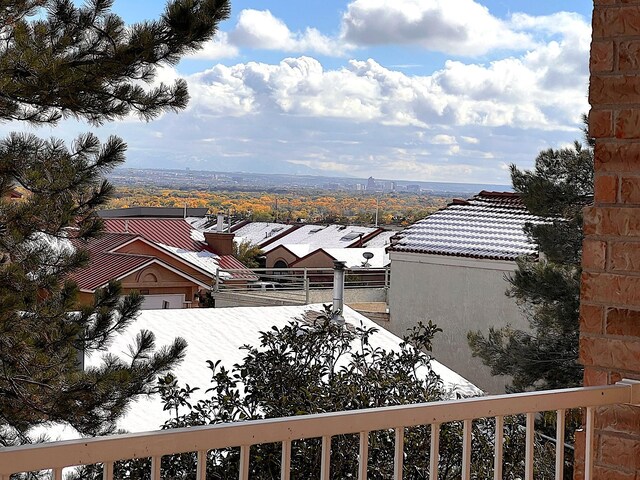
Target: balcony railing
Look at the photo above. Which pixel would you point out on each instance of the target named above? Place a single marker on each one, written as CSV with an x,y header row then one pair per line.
x,y
106,450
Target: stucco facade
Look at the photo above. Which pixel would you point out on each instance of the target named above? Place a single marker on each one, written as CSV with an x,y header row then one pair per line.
x,y
459,295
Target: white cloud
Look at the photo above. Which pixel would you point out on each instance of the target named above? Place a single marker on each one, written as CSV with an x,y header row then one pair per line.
x,y
443,140
471,140
216,49
260,29
460,27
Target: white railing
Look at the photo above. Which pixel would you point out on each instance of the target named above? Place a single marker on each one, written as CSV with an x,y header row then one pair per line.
x,y
106,450
299,279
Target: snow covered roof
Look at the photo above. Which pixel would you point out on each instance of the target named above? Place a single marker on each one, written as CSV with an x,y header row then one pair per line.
x,y
207,261
383,239
218,333
323,236
488,226
259,233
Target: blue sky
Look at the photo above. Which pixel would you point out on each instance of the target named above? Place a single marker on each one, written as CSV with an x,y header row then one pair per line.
x,y
432,90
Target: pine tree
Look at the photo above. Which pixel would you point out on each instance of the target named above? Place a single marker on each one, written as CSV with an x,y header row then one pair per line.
x,y
58,60
547,290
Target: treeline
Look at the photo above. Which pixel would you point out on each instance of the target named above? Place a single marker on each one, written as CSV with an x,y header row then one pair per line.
x,y
307,206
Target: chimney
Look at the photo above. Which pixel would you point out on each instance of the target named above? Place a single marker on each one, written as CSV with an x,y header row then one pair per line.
x,y
220,223
221,243
338,291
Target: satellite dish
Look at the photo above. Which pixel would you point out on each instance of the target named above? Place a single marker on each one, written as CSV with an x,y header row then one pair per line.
x,y
367,256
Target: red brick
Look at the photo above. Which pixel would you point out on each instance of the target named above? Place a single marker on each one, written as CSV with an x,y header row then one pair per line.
x,y
629,55
618,418
602,56
616,290
612,221
620,89
614,377
601,123
591,318
622,452
630,190
595,377
607,473
608,22
622,321
606,188
594,254
609,353
625,257
613,157
628,124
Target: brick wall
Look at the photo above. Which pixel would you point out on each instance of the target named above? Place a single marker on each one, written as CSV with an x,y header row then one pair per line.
x,y
610,295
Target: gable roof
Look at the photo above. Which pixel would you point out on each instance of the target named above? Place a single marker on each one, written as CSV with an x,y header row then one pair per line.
x,y
261,233
106,264
487,226
175,232
219,333
324,236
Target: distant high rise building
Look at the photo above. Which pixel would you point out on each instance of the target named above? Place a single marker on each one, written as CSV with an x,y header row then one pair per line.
x,y
371,184
393,186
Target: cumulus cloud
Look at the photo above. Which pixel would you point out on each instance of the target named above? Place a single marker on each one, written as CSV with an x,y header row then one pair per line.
x,y
216,49
460,27
260,29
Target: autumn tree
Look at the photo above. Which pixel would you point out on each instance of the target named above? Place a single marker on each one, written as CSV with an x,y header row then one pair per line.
x,y
59,60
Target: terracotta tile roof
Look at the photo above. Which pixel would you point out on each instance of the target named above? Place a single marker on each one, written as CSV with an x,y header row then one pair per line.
x,y
175,232
489,226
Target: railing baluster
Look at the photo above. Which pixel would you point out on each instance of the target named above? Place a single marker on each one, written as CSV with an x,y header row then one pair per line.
x,y
244,462
466,450
560,415
434,453
363,456
528,457
107,471
325,463
497,457
588,446
399,454
155,468
201,468
285,469
56,474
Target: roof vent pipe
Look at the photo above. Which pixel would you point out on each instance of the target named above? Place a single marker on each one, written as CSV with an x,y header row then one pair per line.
x,y
338,292
220,223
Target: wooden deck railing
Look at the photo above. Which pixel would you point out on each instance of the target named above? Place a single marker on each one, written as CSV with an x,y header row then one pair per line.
x,y
55,456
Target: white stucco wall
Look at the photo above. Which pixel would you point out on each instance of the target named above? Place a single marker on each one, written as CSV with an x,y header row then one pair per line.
x,y
459,295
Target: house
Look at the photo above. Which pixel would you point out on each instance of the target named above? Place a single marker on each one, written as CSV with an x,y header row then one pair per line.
x,y
450,268
366,265
165,259
218,334
168,277
280,252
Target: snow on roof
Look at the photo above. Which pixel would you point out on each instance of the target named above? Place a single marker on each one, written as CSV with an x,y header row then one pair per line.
x,y
298,249
354,259
489,226
383,239
218,333
207,261
322,236
258,233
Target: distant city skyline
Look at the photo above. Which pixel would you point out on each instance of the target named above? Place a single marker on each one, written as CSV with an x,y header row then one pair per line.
x,y
425,90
